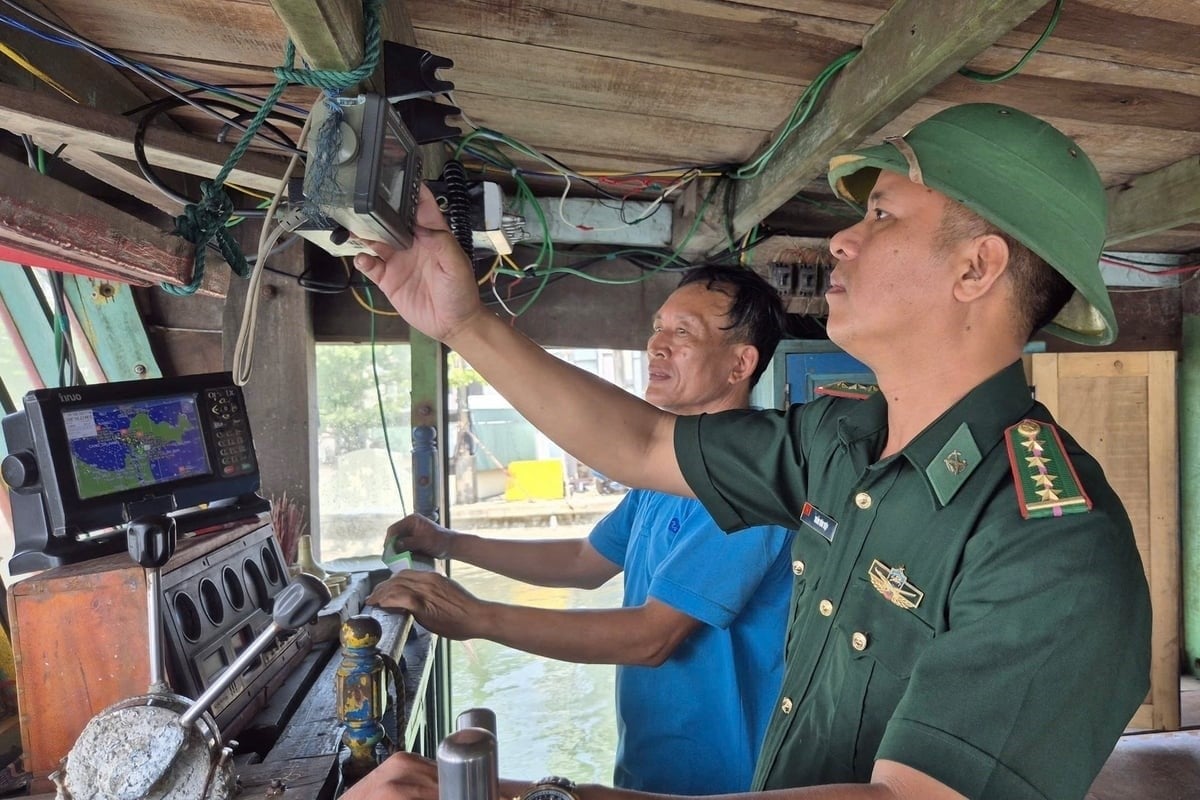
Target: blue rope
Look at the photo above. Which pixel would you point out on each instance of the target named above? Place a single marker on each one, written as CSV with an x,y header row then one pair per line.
x,y
205,221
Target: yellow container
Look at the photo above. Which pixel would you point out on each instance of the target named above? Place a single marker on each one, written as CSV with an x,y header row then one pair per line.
x,y
535,480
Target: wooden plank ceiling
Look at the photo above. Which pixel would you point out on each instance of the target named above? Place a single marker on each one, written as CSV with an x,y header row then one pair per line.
x,y
626,86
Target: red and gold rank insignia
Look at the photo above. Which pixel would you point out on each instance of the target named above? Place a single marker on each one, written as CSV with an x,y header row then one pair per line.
x,y
1045,478
892,583
852,390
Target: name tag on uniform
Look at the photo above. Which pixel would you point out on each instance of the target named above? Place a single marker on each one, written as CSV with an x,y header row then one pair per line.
x,y
819,521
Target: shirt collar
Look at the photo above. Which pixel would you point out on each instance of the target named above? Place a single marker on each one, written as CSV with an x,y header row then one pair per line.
x,y
954,445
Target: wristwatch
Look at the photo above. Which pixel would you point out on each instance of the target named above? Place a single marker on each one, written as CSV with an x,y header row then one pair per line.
x,y
551,788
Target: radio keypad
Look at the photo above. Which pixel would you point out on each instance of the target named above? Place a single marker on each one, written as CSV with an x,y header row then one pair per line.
x,y
231,428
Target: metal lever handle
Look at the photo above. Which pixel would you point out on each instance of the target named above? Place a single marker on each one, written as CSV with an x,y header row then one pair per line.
x,y
296,605
150,542
477,718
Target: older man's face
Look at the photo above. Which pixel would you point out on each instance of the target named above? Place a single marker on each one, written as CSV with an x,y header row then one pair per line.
x,y
694,367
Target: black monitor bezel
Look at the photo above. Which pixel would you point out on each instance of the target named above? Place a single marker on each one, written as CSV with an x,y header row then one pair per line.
x,y
66,512
379,122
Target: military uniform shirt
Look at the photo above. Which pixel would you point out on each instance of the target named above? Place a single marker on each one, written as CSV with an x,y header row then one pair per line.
x,y
930,623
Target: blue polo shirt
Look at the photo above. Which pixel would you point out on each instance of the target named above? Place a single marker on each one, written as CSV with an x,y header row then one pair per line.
x,y
694,724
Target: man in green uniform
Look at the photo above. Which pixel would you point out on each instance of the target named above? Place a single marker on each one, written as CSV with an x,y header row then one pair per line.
x,y
970,616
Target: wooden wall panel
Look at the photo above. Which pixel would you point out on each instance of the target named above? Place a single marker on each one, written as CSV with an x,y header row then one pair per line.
x,y
1121,407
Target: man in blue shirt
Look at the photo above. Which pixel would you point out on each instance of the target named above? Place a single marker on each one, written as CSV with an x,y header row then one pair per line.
x,y
699,638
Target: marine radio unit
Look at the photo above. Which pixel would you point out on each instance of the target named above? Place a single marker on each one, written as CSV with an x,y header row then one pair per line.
x,y
362,177
84,461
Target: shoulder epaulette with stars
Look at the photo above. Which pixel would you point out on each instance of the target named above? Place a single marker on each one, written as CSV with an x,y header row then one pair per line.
x,y
849,389
1046,483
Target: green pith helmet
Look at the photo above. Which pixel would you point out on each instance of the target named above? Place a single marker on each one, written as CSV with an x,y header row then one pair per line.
x,y
1020,174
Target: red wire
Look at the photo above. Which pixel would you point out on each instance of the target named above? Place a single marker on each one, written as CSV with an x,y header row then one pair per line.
x,y
1178,270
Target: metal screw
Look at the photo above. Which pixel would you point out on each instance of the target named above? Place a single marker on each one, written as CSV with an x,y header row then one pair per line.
x,y
275,788
139,369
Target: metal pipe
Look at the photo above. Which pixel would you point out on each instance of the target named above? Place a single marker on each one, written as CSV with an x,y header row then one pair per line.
x,y
154,606
467,768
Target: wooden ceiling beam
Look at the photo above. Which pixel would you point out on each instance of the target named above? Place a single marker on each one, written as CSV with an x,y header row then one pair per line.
x,y
87,79
51,221
120,175
329,33
911,49
51,120
1157,201
90,82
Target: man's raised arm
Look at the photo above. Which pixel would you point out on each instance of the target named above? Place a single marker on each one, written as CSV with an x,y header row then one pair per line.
x,y
433,287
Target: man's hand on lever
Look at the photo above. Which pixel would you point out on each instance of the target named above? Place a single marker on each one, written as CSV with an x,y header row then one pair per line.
x,y
421,536
436,602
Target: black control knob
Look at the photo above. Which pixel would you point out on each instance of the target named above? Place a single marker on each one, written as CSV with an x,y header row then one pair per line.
x,y
20,470
150,541
339,235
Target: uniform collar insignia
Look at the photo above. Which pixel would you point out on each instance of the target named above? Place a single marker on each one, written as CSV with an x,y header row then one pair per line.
x,y
893,584
949,469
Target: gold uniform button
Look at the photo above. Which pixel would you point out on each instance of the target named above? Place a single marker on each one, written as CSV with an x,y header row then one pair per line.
x,y
797,568
826,608
862,500
786,705
859,641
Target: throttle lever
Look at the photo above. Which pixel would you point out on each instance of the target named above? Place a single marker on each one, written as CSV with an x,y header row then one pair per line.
x,y
296,605
150,542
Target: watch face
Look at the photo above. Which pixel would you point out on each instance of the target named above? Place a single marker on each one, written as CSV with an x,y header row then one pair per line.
x,y
545,792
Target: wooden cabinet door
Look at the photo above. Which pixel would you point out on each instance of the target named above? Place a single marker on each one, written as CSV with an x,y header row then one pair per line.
x,y
1121,407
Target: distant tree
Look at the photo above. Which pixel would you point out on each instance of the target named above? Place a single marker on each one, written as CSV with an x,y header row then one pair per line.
x,y
348,402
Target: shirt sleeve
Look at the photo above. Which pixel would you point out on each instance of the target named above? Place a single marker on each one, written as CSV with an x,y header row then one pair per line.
x,y
746,466
710,575
610,536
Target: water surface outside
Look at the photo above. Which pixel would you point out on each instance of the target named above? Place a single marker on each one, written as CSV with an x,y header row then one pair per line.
x,y
552,717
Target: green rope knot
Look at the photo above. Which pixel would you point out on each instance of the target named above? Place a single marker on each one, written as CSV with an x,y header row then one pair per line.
x,y
201,223
204,221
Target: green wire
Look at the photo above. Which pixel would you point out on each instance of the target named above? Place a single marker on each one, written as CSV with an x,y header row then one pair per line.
x,y
379,400
983,77
800,113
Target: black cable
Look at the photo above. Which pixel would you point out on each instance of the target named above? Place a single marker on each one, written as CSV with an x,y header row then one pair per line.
x,y
68,368
458,206
139,154
6,401
246,114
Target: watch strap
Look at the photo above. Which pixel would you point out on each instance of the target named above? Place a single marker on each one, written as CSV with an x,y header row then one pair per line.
x,y
559,781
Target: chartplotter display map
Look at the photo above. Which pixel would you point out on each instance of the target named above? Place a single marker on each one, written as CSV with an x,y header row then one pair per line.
x,y
127,445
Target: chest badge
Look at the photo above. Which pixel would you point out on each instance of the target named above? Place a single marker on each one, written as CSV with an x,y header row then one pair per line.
x,y
819,521
892,583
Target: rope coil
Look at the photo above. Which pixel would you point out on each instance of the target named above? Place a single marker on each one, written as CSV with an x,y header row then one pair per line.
x,y
203,222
